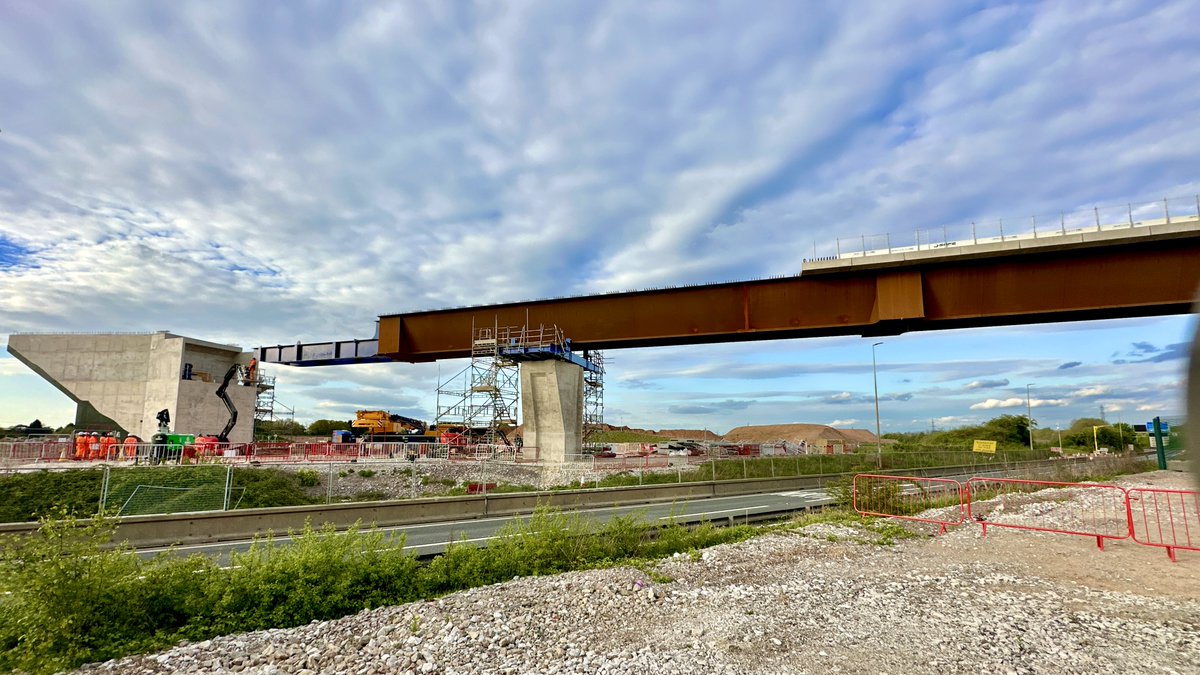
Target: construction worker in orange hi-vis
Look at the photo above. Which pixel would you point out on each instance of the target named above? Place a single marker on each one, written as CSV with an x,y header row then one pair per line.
x,y
81,445
130,445
93,446
108,447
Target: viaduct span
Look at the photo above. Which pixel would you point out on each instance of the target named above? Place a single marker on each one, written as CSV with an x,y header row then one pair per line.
x,y
1152,269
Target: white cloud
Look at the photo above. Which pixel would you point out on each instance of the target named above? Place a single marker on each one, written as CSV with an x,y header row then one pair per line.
x,y
995,403
1147,407
1095,390
198,170
843,423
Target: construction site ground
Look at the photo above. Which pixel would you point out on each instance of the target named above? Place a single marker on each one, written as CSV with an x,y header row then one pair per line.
x,y
827,597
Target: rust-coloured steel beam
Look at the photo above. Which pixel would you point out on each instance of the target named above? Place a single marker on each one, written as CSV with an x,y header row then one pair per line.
x,y
1120,279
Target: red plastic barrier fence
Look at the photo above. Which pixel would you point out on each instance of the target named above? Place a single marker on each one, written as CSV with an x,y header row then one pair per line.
x,y
1167,519
904,497
1100,511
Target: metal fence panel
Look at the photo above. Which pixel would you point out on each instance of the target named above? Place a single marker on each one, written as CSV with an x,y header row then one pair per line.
x,y
906,497
1167,519
1100,512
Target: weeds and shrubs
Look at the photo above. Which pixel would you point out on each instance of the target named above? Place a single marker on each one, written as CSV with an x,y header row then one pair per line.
x,y
26,496
366,473
67,597
308,478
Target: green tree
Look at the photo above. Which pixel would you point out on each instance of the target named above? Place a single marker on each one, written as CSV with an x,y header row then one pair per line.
x,y
269,428
326,427
1007,429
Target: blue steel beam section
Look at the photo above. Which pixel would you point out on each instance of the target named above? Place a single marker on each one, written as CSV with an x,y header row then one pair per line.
x,y
340,353
547,353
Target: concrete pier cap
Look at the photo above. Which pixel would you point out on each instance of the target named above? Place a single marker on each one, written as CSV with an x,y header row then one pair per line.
x,y
119,381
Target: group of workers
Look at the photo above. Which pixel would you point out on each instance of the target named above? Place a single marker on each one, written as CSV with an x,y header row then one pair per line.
x,y
94,446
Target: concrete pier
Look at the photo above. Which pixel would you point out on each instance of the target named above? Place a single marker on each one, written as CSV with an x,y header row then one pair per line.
x,y
552,408
121,381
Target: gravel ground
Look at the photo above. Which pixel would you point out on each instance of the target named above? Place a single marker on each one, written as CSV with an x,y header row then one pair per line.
x,y
815,600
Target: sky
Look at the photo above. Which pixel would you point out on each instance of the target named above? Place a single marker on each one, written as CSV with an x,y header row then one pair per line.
x,y
266,172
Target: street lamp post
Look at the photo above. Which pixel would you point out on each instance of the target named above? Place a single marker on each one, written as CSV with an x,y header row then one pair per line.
x,y
1029,416
875,380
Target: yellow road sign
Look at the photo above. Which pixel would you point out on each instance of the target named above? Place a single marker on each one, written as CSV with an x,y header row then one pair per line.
x,y
985,446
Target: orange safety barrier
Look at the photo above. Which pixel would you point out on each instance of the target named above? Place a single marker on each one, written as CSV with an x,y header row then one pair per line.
x,y
1101,513
1167,519
904,497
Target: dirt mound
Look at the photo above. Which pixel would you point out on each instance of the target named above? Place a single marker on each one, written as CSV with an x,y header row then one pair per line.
x,y
688,434
812,434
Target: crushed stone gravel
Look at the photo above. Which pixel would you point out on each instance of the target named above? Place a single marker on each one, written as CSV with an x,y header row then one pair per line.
x,y
809,600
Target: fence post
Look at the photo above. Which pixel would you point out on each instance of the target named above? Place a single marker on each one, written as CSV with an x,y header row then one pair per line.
x,y
772,466
744,468
1097,210
1167,210
483,471
1001,230
329,486
228,485
1130,214
1062,222
713,458
1034,219
103,489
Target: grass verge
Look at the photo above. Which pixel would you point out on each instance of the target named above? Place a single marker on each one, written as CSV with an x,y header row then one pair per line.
x,y
69,598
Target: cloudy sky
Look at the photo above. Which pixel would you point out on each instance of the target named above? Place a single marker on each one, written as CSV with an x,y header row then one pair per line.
x,y
263,172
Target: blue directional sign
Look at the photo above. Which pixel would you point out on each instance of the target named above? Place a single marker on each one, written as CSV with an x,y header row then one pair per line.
x,y
1162,426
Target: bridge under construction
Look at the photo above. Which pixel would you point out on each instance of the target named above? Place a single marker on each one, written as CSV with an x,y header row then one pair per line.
x,y
1117,271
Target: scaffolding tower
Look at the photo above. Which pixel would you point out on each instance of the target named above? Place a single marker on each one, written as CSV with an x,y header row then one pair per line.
x,y
482,400
483,397
266,407
593,397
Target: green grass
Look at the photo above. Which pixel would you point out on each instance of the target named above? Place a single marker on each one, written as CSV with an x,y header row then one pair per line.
x,y
66,599
26,496
619,436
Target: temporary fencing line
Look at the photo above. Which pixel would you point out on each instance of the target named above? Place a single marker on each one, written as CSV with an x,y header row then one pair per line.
x,y
1169,519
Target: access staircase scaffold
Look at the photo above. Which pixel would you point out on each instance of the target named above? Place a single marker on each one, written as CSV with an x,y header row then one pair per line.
x,y
266,407
593,396
483,399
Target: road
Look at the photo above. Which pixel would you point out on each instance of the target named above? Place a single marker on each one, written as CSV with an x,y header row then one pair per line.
x,y
432,538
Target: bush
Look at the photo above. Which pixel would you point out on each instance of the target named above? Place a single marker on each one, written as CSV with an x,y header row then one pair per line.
x,y
308,478
70,602
366,473
66,599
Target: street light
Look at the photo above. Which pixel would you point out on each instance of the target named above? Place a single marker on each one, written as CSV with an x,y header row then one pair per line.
x,y
878,438
1029,416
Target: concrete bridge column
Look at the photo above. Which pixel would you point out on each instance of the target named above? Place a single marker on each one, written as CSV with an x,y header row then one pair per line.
x,y
552,408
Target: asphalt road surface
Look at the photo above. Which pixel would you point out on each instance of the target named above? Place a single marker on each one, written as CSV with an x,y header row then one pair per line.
x,y
432,538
